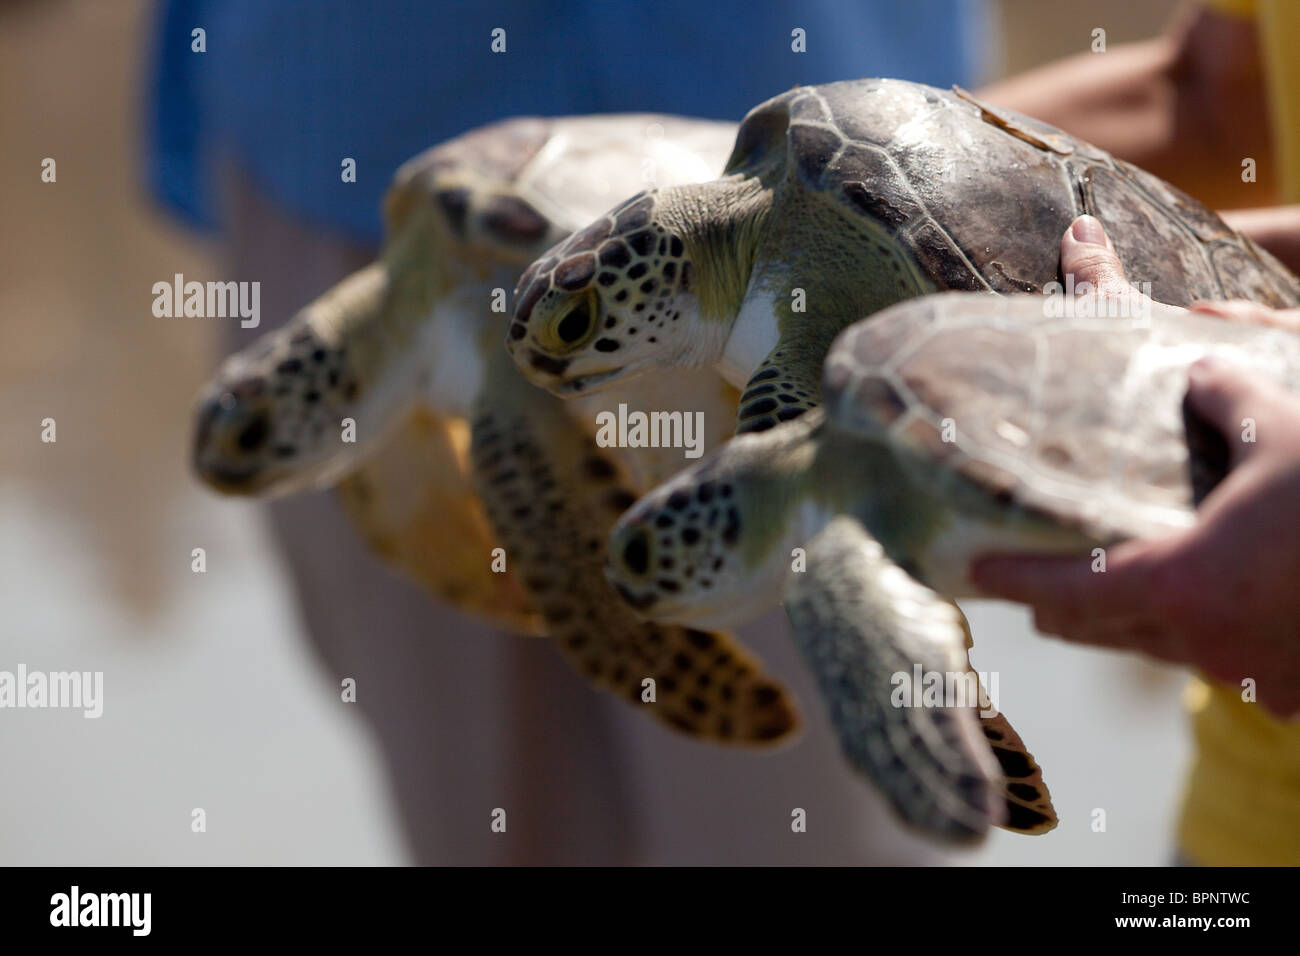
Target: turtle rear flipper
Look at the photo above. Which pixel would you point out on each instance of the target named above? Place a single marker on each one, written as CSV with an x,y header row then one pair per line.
x,y
1029,804
861,621
414,501
553,495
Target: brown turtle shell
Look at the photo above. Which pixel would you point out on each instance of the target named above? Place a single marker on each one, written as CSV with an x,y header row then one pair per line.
x,y
1079,420
978,197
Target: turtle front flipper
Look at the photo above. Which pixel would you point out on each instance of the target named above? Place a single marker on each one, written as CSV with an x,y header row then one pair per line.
x,y
786,385
864,626
553,495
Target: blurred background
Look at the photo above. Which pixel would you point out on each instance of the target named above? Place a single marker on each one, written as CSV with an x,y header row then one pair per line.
x,y
213,698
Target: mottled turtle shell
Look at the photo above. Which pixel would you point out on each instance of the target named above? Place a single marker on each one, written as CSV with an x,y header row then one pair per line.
x,y
499,196
1078,420
977,198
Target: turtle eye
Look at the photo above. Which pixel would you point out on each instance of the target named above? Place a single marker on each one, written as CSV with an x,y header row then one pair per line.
x,y
576,324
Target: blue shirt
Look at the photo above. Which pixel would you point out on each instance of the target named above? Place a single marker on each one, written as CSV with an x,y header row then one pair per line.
x,y
289,88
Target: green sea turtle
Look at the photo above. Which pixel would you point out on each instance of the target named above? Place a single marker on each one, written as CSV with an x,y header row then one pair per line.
x,y
394,386
837,201
953,425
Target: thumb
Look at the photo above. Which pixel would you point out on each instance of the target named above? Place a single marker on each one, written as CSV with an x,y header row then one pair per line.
x,y
1087,253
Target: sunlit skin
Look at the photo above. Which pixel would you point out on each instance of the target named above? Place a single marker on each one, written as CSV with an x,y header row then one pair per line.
x,y
1221,596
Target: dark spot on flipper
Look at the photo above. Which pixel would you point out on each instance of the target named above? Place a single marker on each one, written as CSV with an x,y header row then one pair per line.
x,y
701,639
1023,818
760,407
620,499
1014,764
1024,791
598,468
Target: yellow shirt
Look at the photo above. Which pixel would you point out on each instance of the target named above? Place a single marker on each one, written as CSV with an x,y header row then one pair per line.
x,y
1242,805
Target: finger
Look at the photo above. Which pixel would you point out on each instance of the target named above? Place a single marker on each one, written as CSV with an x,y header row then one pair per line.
x,y
1153,637
1250,313
1087,254
1068,588
1142,632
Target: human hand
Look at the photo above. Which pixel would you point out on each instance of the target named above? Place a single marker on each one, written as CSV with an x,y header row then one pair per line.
x,y
1224,595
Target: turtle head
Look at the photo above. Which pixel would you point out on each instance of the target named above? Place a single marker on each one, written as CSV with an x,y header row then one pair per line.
x,y
712,546
269,421
615,299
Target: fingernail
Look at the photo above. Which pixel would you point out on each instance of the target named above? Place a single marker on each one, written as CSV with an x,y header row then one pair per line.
x,y
1089,230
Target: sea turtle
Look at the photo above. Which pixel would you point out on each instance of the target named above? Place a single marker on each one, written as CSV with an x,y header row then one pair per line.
x,y
837,201
953,425
394,385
